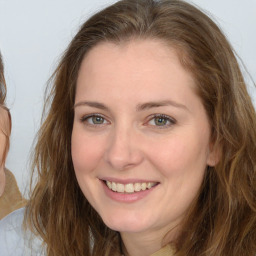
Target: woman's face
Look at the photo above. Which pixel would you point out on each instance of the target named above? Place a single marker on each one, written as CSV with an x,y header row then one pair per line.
x,y
141,137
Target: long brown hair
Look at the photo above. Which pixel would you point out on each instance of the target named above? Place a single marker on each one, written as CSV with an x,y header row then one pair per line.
x,y
222,219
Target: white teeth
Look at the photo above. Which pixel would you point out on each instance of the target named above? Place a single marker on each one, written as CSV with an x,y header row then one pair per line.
x,y
114,188
109,184
137,187
120,187
150,185
130,187
143,186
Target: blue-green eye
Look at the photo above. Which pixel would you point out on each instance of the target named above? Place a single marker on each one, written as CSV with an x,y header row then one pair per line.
x,y
97,120
161,121
94,120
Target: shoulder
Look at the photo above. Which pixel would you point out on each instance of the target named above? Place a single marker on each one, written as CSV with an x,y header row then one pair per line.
x,y
11,183
14,240
11,233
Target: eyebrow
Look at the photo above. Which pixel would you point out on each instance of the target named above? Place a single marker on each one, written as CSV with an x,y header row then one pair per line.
x,y
91,104
139,107
157,104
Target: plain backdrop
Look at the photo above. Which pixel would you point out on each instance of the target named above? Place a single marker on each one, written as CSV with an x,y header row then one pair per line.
x,y
34,34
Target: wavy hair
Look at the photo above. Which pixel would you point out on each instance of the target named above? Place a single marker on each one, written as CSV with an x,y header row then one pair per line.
x,y
222,218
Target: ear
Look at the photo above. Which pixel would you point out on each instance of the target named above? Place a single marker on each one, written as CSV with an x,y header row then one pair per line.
x,y
214,154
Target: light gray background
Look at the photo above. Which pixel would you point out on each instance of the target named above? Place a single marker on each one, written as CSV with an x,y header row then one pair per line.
x,y
33,35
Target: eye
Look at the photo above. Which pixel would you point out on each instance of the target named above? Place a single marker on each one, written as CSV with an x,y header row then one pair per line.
x,y
94,120
161,121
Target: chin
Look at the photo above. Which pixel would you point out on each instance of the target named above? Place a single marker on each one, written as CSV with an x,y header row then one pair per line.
x,y
125,224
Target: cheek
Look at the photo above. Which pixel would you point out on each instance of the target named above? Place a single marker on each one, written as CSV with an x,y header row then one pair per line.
x,y
180,156
86,152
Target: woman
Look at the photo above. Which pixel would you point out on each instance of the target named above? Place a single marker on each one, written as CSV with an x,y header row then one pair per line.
x,y
10,196
148,146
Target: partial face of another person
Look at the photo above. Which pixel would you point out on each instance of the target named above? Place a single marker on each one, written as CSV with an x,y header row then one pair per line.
x,y
141,136
4,127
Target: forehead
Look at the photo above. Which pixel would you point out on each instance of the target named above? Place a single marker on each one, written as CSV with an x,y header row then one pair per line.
x,y
134,73
132,60
134,48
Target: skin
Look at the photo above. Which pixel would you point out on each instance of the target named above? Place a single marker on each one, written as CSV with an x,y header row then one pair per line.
x,y
4,121
129,142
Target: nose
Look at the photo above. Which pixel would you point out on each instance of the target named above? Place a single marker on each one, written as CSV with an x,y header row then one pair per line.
x,y
123,151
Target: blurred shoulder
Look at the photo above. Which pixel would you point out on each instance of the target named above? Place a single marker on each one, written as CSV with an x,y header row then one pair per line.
x,y
11,233
14,240
11,199
12,222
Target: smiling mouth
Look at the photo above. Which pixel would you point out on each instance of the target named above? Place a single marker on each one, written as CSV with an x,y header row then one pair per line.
x,y
130,187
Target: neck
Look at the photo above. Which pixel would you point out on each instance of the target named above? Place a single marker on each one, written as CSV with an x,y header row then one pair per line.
x,y
139,246
144,244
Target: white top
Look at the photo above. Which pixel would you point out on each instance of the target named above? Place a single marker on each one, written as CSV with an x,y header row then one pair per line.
x,y
14,241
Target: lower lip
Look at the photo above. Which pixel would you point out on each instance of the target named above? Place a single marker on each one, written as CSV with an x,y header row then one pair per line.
x,y
127,197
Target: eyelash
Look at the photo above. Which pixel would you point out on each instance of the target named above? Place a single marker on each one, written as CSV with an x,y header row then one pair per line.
x,y
167,119
85,119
